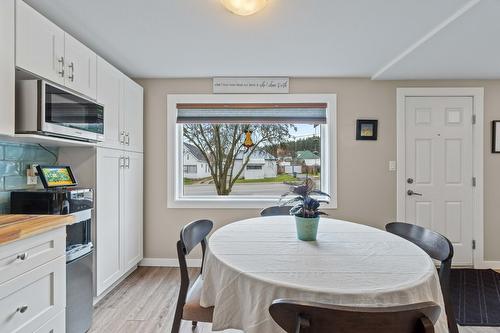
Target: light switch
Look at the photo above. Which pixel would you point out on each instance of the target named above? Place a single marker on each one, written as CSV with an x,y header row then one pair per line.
x,y
392,165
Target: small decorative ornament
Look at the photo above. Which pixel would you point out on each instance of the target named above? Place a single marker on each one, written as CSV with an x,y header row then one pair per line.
x,y
248,143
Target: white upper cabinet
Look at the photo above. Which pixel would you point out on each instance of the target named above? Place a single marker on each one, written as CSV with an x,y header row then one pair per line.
x,y
108,94
81,67
7,60
39,44
132,103
42,48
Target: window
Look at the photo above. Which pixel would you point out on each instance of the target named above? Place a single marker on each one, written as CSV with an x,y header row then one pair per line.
x,y
254,167
190,169
253,147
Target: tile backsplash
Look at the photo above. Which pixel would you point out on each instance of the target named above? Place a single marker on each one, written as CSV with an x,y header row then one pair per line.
x,y
14,161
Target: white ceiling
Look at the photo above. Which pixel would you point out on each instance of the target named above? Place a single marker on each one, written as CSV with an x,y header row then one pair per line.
x,y
384,39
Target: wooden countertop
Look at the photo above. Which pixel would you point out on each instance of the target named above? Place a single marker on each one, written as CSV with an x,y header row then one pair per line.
x,y
14,227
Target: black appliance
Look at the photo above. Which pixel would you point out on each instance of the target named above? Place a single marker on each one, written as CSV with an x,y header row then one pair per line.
x,y
79,248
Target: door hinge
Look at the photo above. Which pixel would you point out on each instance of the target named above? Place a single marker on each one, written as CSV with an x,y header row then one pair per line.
x,y
474,181
473,244
473,119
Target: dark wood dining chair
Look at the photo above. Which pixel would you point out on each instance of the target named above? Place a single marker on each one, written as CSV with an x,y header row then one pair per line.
x,y
188,303
309,317
275,211
437,247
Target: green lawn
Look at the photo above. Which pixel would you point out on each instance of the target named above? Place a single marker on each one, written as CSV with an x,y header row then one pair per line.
x,y
188,181
279,179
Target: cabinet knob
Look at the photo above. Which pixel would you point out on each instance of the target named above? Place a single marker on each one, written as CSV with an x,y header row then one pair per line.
x,y
22,309
22,256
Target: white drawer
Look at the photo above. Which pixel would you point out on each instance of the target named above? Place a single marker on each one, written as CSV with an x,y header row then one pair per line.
x,y
55,325
36,251
32,299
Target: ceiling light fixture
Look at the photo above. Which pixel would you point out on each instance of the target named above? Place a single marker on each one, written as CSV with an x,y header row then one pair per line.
x,y
244,7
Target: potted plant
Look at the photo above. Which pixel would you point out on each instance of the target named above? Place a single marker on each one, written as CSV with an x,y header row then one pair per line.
x,y
305,208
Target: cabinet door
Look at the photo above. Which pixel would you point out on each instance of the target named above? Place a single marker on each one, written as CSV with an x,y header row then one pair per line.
x,y
39,44
132,110
108,94
81,67
132,206
108,232
7,66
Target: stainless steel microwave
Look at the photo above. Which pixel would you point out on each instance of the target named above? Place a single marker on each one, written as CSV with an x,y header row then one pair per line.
x,y
43,108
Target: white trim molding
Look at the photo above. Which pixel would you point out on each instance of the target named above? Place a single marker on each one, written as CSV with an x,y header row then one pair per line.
x,y
478,157
441,26
174,149
168,262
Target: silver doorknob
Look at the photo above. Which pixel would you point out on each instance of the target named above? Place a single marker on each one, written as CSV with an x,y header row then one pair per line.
x,y
410,192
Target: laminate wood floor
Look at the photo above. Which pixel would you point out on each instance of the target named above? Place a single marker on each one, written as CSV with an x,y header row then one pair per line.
x,y
145,303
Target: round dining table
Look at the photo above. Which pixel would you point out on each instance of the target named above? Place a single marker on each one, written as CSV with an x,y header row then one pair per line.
x,y
252,262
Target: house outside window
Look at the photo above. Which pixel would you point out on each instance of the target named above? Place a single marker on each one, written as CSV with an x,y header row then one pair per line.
x,y
293,138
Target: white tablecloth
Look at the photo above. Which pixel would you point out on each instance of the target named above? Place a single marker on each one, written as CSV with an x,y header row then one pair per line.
x,y
252,262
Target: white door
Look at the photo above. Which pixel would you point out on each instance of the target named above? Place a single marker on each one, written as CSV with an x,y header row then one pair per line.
x,y
132,112
108,94
81,67
439,173
108,229
39,44
132,206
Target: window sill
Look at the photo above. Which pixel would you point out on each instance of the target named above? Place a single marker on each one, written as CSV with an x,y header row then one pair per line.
x,y
232,203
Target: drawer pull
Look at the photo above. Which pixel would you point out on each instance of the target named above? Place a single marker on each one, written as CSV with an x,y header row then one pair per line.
x,y
22,256
22,309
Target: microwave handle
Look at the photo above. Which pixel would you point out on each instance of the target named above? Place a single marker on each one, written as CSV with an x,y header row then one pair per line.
x,y
65,207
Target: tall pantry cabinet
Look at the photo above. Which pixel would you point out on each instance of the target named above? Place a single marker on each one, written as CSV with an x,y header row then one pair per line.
x,y
119,177
115,170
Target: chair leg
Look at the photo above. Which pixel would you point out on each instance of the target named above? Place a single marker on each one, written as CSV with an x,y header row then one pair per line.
x,y
176,325
450,314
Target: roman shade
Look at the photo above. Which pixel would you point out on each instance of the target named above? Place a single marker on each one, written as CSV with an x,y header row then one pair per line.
x,y
253,113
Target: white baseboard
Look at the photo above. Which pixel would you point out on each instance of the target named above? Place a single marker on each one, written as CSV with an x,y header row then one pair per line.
x,y
168,262
489,265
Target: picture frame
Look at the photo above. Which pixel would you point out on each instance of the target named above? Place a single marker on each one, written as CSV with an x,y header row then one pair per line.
x,y
495,136
366,129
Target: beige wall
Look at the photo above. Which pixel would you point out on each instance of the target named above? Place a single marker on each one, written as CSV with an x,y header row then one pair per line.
x,y
366,189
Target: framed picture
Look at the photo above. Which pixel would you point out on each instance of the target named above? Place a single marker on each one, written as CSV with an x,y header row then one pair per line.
x,y
495,136
366,129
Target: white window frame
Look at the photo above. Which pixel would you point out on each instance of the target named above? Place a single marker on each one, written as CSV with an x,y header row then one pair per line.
x,y
175,199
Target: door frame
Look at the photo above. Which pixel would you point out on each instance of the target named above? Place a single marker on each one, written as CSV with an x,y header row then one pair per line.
x,y
477,94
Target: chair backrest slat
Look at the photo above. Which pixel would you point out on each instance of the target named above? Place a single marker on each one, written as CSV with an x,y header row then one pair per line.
x,y
434,244
294,316
276,211
194,233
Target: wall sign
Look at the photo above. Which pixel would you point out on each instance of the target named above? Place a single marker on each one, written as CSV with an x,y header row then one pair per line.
x,y
251,85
